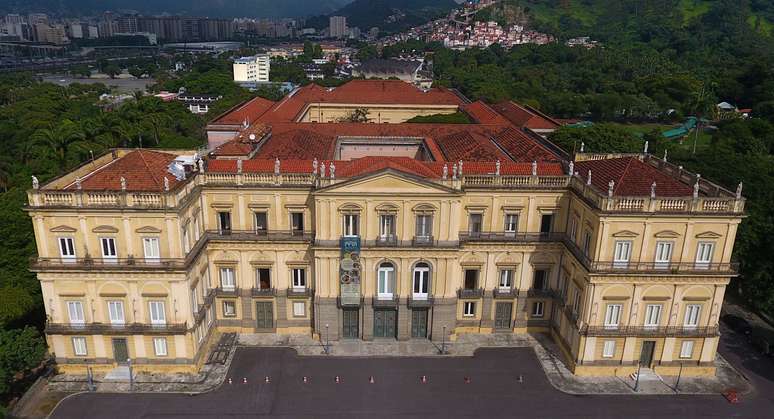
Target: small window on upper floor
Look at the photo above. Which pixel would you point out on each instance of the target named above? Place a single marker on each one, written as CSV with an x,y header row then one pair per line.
x,y
471,279
540,280
263,278
351,225
297,222
475,224
704,255
224,222
150,246
261,222
511,223
546,223
108,247
67,248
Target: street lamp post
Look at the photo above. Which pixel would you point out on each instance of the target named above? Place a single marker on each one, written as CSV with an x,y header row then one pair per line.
x,y
327,341
443,341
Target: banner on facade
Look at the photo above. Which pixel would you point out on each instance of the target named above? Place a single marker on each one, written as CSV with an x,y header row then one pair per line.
x,y
350,270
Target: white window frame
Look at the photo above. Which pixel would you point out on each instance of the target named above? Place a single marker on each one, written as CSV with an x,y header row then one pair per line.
x,y
511,224
386,226
265,215
613,315
108,245
299,278
157,313
66,248
622,254
704,251
229,303
160,346
480,218
116,312
296,311
587,243
574,229
185,240
663,256
468,308
80,347
538,309
384,275
76,307
420,276
151,247
692,316
505,281
424,226
653,315
608,349
227,278
351,227
686,349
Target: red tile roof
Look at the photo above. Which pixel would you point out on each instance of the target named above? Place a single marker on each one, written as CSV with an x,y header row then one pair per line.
x,y
144,171
525,117
250,111
632,177
483,114
465,145
521,147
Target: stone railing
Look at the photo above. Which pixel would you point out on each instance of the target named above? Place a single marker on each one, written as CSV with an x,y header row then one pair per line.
x,y
660,331
106,263
115,329
515,181
665,267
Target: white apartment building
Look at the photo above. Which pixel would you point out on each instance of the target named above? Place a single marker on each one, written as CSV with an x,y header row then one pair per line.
x,y
337,26
255,68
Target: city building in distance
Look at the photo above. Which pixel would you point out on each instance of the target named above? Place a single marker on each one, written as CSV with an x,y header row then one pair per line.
x,y
338,26
252,69
327,214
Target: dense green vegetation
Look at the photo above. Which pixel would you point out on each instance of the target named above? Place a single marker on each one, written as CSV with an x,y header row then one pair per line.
x,y
441,118
388,15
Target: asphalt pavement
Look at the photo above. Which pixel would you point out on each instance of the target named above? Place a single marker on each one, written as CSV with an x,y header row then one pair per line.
x,y
501,382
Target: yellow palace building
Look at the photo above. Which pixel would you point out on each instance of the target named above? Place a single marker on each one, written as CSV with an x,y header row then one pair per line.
x,y
383,229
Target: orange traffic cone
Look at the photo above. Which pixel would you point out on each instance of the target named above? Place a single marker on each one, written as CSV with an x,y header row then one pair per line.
x,y
371,379
306,380
229,380
267,380
244,380
423,379
338,379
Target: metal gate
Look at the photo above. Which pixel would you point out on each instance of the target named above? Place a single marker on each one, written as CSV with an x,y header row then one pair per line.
x,y
264,317
418,323
503,315
351,326
384,323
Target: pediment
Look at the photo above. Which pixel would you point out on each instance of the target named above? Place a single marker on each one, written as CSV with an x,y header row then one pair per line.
x,y
708,235
63,229
147,229
625,233
667,234
104,229
386,182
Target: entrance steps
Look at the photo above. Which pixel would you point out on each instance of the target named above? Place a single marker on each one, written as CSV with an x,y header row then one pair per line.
x,y
646,374
118,374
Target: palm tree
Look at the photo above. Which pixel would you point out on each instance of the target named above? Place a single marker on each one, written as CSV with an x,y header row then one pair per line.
x,y
5,174
61,140
156,121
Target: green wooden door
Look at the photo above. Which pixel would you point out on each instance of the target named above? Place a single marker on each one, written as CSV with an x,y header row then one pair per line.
x,y
418,323
385,322
264,317
120,350
351,326
503,315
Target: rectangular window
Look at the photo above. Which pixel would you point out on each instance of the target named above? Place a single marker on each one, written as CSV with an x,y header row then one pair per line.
x,y
475,224
652,315
692,312
261,222
229,308
67,247
471,279
297,222
157,314
704,255
539,281
116,312
351,225
151,247
537,309
224,222
385,280
299,309
576,301
469,308
608,351
421,281
506,279
622,254
546,223
194,301
160,346
686,349
613,316
227,281
574,229
587,243
79,346
75,311
663,254
511,223
424,226
186,242
386,226
263,278
299,278
108,247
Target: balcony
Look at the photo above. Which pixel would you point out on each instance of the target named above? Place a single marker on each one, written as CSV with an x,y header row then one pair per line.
x,y
508,237
422,241
661,331
470,293
386,241
666,268
263,292
226,292
541,293
505,293
385,302
112,329
299,292
415,301
262,235
100,263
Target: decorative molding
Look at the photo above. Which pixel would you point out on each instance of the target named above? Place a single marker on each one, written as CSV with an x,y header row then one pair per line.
x,y
667,234
625,233
709,235
696,298
223,205
259,205
113,294
147,229
63,229
104,229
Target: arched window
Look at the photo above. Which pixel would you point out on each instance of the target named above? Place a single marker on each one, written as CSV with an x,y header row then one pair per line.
x,y
385,281
421,281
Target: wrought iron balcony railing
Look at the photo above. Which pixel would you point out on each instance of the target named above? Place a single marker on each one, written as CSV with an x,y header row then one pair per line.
x,y
660,331
386,302
470,292
419,301
107,263
115,329
665,267
512,237
299,292
263,292
262,235
505,293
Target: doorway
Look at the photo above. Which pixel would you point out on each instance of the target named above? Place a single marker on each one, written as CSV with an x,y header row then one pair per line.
x,y
418,323
120,350
264,316
503,315
351,323
385,322
646,355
